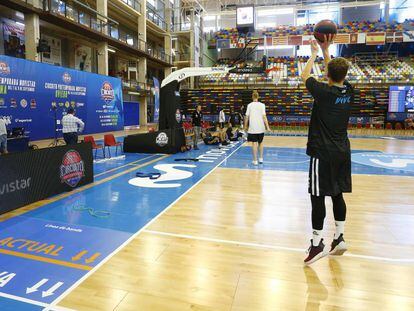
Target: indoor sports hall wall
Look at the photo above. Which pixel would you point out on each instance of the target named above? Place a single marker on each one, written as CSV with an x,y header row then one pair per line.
x,y
296,103
29,91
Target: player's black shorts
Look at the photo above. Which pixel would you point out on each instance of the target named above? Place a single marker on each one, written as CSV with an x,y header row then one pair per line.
x,y
331,176
255,138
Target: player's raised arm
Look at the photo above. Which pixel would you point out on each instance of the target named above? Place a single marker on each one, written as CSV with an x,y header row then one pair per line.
x,y
308,67
325,50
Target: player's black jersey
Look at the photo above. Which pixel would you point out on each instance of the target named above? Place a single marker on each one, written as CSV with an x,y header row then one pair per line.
x,y
330,116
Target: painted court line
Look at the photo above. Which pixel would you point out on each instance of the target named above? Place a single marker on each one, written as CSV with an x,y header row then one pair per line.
x,y
70,289
274,247
45,259
21,299
32,302
125,165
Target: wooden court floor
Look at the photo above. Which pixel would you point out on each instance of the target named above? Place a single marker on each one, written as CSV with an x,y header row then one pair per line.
x,y
236,241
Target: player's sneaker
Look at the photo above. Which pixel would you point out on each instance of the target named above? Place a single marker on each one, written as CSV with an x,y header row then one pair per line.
x,y
260,160
338,246
315,253
255,163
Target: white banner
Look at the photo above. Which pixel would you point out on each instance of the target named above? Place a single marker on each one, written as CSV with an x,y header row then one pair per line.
x,y
408,36
83,58
55,55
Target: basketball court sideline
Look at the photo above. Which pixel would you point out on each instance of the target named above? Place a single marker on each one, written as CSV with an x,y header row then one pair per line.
x,y
222,235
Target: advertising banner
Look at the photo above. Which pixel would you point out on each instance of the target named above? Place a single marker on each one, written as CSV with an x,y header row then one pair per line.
x,y
156,100
375,38
29,91
34,175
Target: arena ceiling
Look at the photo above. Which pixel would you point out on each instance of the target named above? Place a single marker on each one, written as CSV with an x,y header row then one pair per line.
x,y
209,6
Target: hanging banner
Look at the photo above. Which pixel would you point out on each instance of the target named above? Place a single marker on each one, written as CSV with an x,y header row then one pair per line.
x,y
408,36
83,58
156,100
306,40
55,55
295,40
33,100
361,37
281,40
342,38
375,38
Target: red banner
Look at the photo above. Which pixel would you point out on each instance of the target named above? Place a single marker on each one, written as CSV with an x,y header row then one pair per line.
x,y
295,40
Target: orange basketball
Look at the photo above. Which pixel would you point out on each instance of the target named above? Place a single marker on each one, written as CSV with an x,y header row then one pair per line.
x,y
151,130
324,27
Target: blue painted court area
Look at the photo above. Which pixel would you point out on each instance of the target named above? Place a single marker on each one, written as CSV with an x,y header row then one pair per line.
x,y
295,159
45,251
13,305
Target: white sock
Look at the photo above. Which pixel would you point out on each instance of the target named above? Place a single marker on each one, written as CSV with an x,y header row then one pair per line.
x,y
316,237
340,228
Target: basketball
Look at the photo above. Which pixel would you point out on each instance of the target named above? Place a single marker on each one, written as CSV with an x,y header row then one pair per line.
x,y
151,130
324,27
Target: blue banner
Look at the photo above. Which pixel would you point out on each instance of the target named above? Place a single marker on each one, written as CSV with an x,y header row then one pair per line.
x,y
29,91
131,113
156,100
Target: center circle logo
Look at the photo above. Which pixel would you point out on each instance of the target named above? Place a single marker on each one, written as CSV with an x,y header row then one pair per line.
x,y
107,92
72,168
4,68
162,139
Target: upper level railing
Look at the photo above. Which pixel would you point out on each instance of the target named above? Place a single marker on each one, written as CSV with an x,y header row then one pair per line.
x,y
154,17
181,57
135,85
181,27
135,4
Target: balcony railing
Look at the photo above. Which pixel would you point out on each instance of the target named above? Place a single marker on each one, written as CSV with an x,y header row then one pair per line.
x,y
136,5
181,57
135,85
181,27
159,54
154,17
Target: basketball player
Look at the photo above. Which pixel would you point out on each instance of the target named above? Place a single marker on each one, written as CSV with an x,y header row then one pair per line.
x,y
329,147
256,123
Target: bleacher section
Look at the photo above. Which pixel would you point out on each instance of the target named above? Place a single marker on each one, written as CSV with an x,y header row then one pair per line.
x,y
288,70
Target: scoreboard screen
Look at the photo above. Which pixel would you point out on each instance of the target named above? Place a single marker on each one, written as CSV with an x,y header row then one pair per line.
x,y
245,16
401,99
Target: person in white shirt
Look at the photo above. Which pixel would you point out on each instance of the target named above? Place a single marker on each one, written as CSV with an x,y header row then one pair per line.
x,y
3,134
222,118
256,124
71,126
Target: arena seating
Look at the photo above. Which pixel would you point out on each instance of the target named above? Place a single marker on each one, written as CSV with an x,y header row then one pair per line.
x,y
350,27
289,69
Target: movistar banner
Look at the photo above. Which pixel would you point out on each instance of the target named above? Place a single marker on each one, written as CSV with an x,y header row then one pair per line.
x,y
29,92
